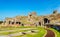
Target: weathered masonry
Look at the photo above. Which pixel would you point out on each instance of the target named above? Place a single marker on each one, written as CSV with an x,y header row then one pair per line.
x,y
32,19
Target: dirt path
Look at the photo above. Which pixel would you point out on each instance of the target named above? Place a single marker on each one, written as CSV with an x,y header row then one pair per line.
x,y
50,33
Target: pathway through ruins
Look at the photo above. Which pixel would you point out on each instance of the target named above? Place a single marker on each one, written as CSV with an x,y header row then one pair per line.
x,y
50,33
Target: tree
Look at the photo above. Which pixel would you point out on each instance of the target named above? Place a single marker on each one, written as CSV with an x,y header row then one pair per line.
x,y
55,12
1,22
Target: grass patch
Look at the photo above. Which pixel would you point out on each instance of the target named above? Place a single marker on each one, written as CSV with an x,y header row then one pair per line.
x,y
4,31
41,33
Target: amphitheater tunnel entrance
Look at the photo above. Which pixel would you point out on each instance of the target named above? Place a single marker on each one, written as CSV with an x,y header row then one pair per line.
x,y
46,20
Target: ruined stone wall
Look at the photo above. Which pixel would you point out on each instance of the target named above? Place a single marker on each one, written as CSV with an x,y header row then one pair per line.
x,y
33,18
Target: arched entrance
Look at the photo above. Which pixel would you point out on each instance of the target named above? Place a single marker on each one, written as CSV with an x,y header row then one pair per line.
x,y
46,21
39,23
18,23
9,22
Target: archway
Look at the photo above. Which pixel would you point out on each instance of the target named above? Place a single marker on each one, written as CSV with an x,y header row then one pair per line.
x,y
46,21
9,22
12,23
39,23
18,22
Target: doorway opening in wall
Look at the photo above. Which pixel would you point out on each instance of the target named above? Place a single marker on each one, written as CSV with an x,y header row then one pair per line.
x,y
46,21
18,22
9,22
39,23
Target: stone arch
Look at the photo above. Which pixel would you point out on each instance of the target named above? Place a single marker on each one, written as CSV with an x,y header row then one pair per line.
x,y
22,24
18,22
39,23
12,23
9,22
46,20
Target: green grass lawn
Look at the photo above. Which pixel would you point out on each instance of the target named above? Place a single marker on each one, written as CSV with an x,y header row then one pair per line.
x,y
15,31
41,33
4,33
3,30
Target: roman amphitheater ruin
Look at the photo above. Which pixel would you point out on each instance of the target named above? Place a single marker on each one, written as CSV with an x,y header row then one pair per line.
x,y
32,19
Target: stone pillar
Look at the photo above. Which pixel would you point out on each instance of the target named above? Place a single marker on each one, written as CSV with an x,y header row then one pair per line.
x,y
42,22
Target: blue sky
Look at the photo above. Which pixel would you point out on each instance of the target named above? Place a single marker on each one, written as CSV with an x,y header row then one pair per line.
x,y
11,8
